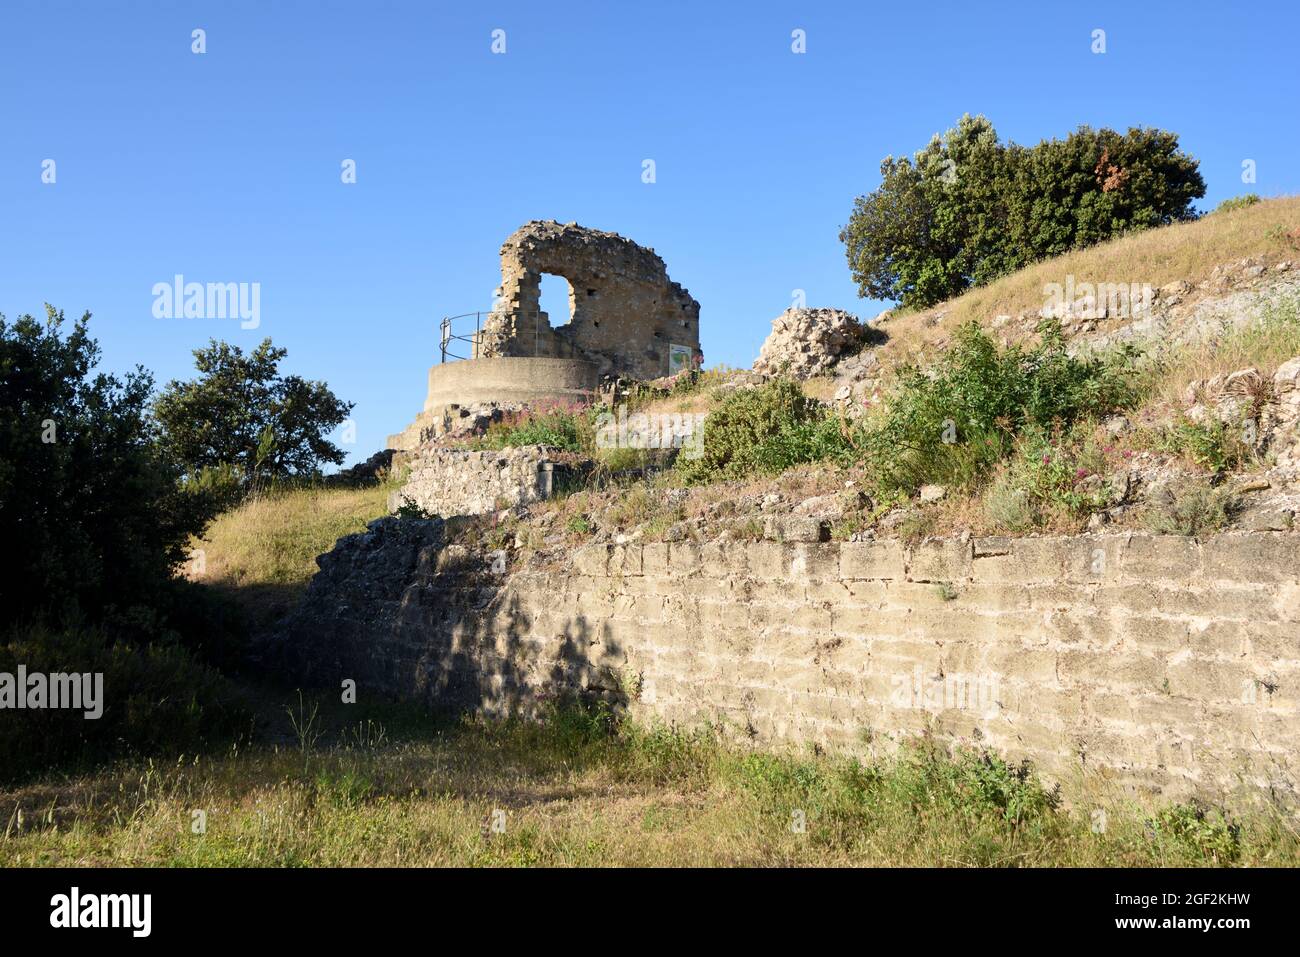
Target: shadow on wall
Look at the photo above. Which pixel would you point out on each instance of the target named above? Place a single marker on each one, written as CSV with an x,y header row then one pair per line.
x,y
406,616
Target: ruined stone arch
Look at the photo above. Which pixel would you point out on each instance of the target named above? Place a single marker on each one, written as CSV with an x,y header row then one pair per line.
x,y
626,313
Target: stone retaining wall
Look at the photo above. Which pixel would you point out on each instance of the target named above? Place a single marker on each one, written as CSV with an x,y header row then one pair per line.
x,y
452,481
1160,663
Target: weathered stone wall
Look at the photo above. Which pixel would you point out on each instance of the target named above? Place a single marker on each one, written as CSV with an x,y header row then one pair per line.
x,y
452,481
1160,663
510,381
625,311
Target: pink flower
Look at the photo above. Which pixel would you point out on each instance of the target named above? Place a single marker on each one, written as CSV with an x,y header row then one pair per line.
x,y
1046,458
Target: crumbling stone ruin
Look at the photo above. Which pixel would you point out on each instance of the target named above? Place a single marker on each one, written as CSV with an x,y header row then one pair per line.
x,y
627,319
627,316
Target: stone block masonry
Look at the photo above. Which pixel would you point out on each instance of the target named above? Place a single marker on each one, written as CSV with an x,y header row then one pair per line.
x,y
455,481
1160,664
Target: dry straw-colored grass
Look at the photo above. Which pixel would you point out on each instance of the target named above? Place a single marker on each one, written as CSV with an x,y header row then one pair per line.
x,y
1271,338
1188,251
265,549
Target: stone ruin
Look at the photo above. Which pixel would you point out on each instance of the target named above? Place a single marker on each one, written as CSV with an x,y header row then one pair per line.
x,y
626,316
627,319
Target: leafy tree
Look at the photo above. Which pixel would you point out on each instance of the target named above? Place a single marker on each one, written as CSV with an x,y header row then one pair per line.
x,y
240,411
967,208
90,504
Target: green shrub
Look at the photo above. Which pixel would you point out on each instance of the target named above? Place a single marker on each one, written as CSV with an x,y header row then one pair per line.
x,y
1243,201
839,799
1050,474
949,425
568,429
156,700
1207,832
986,782
578,525
952,424
1215,445
222,485
824,436
763,430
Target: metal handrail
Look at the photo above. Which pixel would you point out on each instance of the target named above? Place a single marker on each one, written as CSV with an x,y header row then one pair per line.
x,y
448,336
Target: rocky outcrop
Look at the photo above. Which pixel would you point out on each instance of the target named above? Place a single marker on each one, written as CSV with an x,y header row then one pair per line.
x,y
450,421
1265,410
1286,418
1181,314
808,342
856,381
1228,398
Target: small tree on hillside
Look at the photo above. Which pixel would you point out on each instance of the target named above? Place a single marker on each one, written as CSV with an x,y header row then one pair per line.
x,y
240,411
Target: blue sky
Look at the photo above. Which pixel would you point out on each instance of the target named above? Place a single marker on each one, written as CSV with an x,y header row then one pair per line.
x,y
225,166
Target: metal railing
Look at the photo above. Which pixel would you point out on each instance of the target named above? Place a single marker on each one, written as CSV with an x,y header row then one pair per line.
x,y
449,337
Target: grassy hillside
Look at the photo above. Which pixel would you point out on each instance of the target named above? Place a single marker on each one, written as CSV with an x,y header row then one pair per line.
x,y
1269,230
263,552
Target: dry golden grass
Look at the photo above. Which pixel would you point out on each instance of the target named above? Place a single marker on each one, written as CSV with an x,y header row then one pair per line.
x,y
697,401
821,388
1188,251
265,549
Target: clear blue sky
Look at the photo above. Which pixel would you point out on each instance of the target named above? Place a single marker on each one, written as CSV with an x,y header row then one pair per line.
x,y
225,166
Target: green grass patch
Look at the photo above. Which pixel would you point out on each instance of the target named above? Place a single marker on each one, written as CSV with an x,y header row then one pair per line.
x,y
585,787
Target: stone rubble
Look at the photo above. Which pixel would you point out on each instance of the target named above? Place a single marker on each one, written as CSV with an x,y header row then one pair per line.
x,y
808,342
